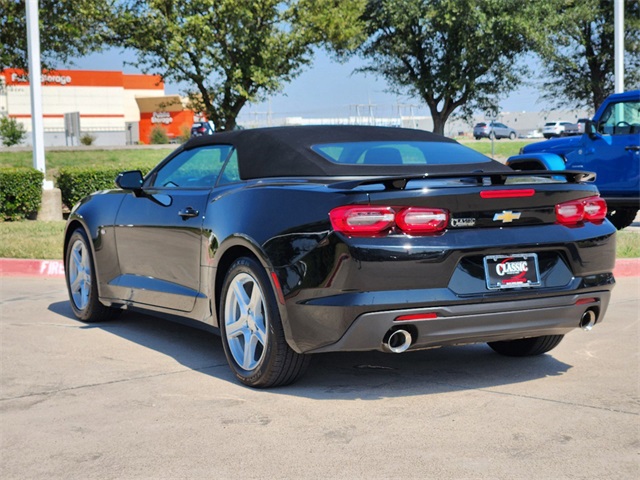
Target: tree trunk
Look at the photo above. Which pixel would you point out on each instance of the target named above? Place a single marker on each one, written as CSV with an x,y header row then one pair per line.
x,y
439,121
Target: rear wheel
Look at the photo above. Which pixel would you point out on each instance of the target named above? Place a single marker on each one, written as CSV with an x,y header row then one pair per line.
x,y
622,217
526,347
252,334
80,276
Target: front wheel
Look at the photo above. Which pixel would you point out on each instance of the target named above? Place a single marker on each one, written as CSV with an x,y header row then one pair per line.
x,y
526,347
251,329
80,276
622,217
512,136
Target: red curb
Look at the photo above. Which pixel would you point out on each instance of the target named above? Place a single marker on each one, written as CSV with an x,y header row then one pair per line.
x,y
627,267
15,267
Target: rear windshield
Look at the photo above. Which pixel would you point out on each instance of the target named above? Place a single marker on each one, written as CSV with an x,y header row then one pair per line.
x,y
399,153
550,124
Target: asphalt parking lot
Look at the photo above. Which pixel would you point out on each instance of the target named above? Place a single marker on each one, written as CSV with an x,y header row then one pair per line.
x,y
140,397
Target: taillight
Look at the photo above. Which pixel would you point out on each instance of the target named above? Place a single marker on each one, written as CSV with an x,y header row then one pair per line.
x,y
362,219
365,220
591,209
595,209
416,220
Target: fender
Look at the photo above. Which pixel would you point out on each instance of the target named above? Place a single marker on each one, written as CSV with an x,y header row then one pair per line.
x,y
536,161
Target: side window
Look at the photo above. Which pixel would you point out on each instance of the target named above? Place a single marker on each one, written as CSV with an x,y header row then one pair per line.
x,y
620,118
195,168
231,173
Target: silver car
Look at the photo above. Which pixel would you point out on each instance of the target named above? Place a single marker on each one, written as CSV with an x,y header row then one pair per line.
x,y
494,129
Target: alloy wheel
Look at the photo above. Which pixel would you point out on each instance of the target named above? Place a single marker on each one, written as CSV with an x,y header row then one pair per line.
x,y
245,322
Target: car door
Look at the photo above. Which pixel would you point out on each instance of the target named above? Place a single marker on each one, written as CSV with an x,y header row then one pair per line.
x,y
615,152
501,130
159,234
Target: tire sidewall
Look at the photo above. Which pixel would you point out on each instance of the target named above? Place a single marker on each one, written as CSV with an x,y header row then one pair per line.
x,y
260,375
86,313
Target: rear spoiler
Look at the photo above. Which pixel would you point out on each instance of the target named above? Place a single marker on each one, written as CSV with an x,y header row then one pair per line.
x,y
481,178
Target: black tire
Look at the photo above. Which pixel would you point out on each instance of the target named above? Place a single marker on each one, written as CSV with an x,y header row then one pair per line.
x,y
512,136
478,138
526,347
492,136
80,277
255,346
622,217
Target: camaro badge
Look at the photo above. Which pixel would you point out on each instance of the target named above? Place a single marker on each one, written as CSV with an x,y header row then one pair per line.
x,y
506,217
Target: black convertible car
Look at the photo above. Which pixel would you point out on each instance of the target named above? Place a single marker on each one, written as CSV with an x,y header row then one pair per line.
x,y
300,240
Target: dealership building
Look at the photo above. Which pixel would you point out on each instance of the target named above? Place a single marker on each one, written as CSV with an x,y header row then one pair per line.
x,y
113,107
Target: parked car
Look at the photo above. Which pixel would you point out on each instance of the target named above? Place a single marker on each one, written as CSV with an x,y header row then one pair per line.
x,y
610,147
199,129
495,129
556,129
533,134
301,240
576,128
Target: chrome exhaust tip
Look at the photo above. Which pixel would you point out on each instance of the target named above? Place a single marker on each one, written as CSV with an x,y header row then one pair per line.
x,y
588,320
397,341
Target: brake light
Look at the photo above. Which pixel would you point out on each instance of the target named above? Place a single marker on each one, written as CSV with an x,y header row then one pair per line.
x,y
365,220
590,209
595,209
422,220
524,192
362,219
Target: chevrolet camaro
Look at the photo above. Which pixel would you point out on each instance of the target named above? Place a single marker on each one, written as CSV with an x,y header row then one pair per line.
x,y
295,241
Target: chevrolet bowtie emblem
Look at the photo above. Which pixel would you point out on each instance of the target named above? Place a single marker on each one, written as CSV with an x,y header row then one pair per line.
x,y
506,217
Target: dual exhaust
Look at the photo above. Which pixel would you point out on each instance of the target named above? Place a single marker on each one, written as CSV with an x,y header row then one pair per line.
x,y
399,340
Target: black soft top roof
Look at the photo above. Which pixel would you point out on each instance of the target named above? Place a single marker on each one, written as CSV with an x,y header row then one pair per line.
x,y
286,151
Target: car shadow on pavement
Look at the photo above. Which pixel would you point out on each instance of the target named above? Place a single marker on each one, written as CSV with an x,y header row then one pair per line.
x,y
345,376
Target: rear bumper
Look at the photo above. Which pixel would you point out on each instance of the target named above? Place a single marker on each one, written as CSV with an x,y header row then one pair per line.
x,y
461,324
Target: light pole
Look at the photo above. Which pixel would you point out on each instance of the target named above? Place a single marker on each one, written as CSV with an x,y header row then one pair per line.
x,y
35,72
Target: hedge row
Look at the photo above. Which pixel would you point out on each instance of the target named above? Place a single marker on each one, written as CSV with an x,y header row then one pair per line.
x,y
20,192
75,183
21,188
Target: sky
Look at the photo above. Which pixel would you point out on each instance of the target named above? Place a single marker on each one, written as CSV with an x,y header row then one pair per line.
x,y
325,89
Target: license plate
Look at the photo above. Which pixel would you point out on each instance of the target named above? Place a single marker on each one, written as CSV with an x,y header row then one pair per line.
x,y
512,271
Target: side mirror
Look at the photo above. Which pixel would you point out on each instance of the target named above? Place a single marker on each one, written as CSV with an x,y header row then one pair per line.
x,y
131,180
590,129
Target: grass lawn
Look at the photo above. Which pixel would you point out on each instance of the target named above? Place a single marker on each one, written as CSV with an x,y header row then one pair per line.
x,y
32,239
57,159
503,148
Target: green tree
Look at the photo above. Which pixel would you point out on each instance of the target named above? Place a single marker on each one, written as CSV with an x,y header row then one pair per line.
x,y
577,51
11,131
232,51
453,54
68,28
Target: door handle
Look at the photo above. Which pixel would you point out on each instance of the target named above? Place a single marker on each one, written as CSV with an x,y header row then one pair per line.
x,y
188,213
632,147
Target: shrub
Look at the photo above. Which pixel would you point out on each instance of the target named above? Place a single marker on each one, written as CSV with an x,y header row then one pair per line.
x,y
158,136
11,131
185,134
75,183
20,192
87,139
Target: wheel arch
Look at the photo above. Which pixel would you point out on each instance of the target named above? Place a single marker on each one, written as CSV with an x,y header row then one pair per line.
x,y
237,247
